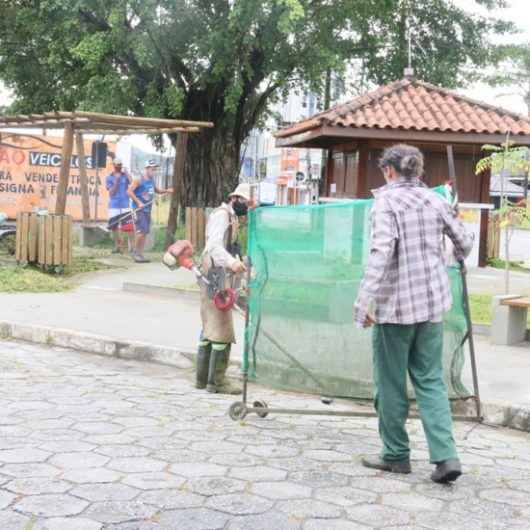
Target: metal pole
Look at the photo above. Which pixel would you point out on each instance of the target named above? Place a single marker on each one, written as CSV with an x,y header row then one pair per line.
x,y
463,273
465,296
246,348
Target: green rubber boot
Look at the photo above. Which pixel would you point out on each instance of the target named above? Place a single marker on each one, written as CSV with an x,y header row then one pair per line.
x,y
223,384
203,363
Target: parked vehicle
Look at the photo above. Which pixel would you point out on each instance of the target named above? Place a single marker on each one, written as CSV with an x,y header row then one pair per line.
x,y
8,232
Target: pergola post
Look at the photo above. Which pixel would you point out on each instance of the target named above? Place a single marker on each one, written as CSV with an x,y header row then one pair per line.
x,y
64,175
85,205
178,178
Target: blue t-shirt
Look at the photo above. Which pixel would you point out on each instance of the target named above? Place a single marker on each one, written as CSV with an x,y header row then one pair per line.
x,y
145,191
120,199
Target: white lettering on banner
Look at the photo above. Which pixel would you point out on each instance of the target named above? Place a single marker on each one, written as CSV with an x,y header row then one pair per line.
x,y
37,158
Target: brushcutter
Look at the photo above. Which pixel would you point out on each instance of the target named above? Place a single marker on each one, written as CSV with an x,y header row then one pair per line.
x,y
180,254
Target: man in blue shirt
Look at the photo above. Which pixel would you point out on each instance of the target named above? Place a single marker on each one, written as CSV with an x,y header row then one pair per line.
x,y
117,184
142,193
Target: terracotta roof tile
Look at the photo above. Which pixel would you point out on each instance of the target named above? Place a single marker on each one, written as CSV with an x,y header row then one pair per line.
x,y
415,105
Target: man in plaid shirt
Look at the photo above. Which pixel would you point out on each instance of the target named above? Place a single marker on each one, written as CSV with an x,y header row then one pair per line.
x,y
405,292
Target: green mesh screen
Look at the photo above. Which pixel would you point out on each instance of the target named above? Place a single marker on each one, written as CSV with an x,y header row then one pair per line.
x,y
307,265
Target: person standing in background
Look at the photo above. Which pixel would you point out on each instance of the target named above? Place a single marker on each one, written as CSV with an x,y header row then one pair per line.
x,y
117,184
142,193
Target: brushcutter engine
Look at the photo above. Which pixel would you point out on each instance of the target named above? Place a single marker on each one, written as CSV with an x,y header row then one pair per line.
x,y
180,254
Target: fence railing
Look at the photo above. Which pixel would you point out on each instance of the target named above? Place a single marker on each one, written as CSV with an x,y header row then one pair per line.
x,y
44,240
195,226
494,237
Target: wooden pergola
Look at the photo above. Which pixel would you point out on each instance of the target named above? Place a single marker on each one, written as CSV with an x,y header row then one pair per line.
x,y
79,123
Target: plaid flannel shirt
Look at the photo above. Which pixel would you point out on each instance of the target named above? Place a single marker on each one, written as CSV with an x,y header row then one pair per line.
x,y
405,280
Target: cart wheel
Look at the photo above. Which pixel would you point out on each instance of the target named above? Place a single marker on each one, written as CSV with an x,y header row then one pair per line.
x,y
261,405
237,411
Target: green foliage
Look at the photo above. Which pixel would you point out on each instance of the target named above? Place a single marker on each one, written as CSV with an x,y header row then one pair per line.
x,y
504,157
223,61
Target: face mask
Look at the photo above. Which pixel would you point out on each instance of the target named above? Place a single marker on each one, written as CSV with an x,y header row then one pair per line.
x,y
240,208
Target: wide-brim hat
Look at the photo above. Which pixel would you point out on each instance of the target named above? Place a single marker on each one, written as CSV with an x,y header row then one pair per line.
x,y
243,190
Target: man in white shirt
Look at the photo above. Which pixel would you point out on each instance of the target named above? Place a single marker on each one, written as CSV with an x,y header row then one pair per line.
x,y
221,250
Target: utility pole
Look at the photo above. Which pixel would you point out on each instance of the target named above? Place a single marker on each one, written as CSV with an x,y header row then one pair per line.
x,y
327,104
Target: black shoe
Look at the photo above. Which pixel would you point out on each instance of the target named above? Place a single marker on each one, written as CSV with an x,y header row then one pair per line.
x,y
393,466
447,471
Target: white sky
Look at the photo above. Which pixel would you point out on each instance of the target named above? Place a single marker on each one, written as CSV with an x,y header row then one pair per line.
x,y
518,12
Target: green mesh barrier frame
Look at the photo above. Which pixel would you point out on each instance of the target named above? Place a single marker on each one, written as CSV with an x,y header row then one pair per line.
x,y
307,264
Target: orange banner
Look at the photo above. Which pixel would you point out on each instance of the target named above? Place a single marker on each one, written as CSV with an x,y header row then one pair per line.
x,y
29,177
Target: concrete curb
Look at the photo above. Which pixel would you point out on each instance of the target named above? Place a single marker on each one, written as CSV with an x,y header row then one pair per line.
x,y
495,413
90,343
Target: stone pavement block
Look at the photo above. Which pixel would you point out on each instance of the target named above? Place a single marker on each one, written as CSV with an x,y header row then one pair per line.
x,y
266,521
137,464
171,499
51,505
21,456
36,486
105,492
192,519
259,473
6,499
374,515
78,460
309,509
198,470
215,486
13,521
345,496
70,523
316,524
286,473
93,475
507,496
411,501
281,490
119,511
239,504
30,470
153,481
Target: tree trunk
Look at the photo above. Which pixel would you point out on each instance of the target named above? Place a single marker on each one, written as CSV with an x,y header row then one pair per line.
x,y
212,168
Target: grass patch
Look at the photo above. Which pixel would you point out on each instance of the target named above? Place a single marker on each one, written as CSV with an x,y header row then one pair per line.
x,y
30,280
480,306
498,263
14,279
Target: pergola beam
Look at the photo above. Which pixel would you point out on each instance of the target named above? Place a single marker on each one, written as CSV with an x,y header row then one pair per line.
x,y
146,122
125,132
64,174
79,123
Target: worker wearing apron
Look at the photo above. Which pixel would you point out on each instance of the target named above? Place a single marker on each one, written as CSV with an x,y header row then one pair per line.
x,y
218,326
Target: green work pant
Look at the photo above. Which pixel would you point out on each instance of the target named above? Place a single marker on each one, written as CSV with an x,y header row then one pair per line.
x,y
416,349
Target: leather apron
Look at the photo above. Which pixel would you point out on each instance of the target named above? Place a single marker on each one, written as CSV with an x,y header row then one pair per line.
x,y
218,326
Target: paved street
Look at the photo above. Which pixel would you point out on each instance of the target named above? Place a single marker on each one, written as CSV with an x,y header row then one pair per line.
x,y
93,443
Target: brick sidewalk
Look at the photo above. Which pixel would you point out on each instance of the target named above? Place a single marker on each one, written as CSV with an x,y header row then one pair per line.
x,y
94,443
